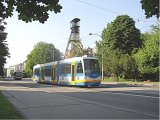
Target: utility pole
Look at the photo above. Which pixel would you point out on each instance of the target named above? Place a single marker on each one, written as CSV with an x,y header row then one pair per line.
x,y
102,54
102,67
53,56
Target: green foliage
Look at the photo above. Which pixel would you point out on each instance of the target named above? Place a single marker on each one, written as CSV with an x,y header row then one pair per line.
x,y
156,27
127,53
29,10
119,65
110,79
26,74
122,35
4,51
120,39
76,48
42,53
147,58
151,7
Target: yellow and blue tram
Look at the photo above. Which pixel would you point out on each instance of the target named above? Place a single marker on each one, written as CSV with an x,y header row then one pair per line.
x,y
78,71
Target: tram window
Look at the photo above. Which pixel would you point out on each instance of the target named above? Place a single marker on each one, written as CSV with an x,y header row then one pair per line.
x,y
47,72
79,68
91,65
36,71
63,69
68,68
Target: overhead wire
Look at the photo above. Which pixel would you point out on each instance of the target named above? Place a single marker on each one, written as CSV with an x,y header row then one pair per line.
x,y
111,11
108,10
146,21
145,26
98,7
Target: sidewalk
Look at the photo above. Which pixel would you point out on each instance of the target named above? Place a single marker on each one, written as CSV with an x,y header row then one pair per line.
x,y
144,84
42,105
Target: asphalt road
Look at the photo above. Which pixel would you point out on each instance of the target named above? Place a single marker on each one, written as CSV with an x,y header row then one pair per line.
x,y
109,101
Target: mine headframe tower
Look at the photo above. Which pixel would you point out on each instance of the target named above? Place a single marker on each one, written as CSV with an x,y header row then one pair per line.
x,y
74,46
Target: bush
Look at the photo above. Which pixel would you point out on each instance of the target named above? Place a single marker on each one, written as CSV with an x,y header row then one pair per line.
x,y
26,74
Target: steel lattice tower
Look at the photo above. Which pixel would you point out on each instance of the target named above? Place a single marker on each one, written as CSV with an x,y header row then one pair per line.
x,y
74,46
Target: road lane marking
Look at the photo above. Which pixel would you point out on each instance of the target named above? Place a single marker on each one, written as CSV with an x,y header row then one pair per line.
x,y
105,105
109,106
131,94
94,90
117,93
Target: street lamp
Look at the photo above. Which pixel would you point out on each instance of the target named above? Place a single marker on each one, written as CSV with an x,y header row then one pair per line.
x,y
102,54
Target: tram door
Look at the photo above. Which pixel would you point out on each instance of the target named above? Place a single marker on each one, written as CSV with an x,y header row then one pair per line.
x,y
53,73
73,72
43,73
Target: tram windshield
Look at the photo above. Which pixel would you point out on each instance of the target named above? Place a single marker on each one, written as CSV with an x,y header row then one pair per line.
x,y
18,74
91,65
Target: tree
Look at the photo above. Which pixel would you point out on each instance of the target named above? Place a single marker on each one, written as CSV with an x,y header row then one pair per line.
x,y
147,58
122,35
4,51
120,39
42,53
156,27
76,48
151,7
29,10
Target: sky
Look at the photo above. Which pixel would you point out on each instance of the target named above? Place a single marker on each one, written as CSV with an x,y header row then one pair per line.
x,y
94,16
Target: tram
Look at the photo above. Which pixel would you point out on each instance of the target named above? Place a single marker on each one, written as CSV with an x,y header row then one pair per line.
x,y
77,71
18,75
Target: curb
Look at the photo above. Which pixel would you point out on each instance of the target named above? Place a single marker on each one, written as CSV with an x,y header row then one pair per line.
x,y
134,84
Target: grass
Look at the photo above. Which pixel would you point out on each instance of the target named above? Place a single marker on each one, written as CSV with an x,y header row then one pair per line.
x,y
117,80
7,110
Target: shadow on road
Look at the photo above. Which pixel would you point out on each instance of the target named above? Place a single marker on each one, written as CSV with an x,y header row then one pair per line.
x,y
81,105
31,84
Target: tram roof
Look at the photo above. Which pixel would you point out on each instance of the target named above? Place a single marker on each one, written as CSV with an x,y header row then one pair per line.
x,y
65,60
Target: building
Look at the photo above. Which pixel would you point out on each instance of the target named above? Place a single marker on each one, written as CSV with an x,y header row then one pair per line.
x,y
19,67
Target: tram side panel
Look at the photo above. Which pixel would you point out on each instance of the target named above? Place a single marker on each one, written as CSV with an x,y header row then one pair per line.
x,y
64,73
